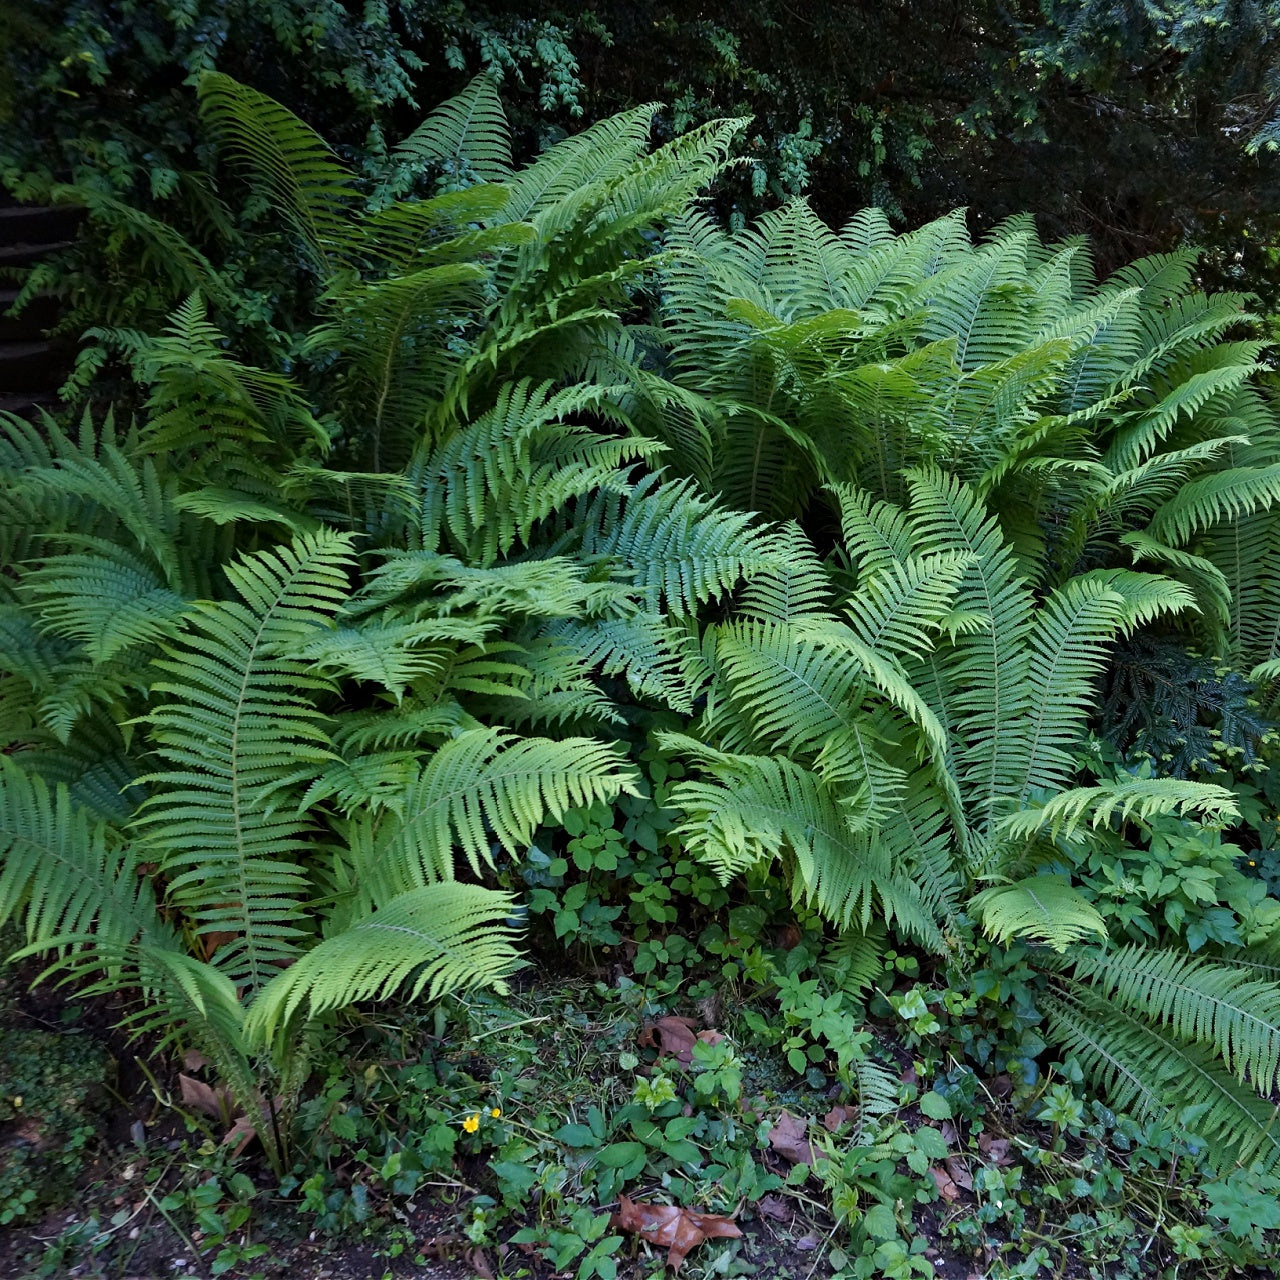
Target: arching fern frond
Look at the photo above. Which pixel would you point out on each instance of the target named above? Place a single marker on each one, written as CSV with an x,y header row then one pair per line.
x,y
69,877
1146,1071
238,726
1231,1011
307,182
109,599
470,128
429,941
753,808
485,786
1120,800
1044,908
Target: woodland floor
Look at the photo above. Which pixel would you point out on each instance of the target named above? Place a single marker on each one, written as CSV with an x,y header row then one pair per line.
x,y
785,1238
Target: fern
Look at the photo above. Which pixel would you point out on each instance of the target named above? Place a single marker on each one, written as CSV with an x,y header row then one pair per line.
x,y
437,939
1131,798
305,179
484,786
238,726
72,876
757,806
1044,908
1234,1013
1145,1071
469,129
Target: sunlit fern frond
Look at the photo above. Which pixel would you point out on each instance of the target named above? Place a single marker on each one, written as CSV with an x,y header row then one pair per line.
x,y
239,726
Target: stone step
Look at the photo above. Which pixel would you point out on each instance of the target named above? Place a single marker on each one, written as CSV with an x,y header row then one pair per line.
x,y
24,253
26,403
34,224
40,314
31,366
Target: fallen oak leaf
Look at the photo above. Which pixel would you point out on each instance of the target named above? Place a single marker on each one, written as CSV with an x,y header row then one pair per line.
x,y
244,1130
671,1035
774,1207
671,1227
839,1116
996,1148
215,1103
194,1060
959,1172
787,1138
947,1188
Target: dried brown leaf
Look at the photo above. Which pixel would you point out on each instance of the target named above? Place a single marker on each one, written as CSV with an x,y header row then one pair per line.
x,y
947,1188
671,1035
839,1116
788,1139
959,1172
215,1103
997,1149
671,1227
774,1207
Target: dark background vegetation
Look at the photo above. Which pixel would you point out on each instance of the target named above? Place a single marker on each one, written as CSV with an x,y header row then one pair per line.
x,y
1139,125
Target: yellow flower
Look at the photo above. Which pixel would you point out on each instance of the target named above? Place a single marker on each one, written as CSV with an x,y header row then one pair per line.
x,y
471,1124
17,1102
495,1112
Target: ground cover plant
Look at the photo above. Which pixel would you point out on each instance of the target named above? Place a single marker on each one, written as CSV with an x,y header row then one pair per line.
x,y
599,748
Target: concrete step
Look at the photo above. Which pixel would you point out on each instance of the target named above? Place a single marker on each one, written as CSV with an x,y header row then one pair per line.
x,y
36,224
26,403
40,314
31,366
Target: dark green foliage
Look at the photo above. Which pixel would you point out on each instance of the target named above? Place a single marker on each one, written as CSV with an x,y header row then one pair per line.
x,y
52,1104
1180,709
301,663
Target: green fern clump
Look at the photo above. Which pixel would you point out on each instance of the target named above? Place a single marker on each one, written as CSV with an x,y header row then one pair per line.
x,y
1106,424
900,728
290,664
276,659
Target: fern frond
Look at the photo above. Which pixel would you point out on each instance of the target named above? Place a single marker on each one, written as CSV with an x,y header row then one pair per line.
x,y
486,786
795,585
392,654
239,725
437,939
1121,801
682,549
1142,1070
307,182
1235,1013
657,658
1220,496
69,876
900,609
1044,908
108,599
755,807
469,128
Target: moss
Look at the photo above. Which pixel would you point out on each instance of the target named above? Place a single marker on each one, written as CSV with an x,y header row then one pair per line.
x,y
52,1100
